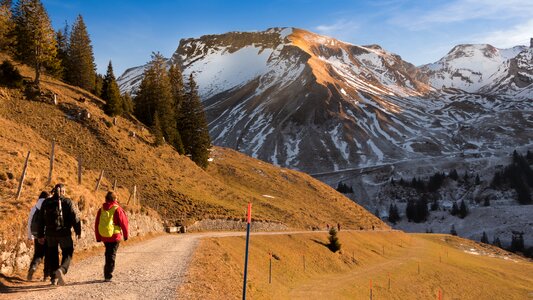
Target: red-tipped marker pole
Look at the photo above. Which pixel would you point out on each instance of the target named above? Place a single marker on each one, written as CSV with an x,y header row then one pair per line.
x,y
248,221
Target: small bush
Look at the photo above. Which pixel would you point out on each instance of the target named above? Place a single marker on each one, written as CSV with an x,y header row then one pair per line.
x,y
10,76
334,244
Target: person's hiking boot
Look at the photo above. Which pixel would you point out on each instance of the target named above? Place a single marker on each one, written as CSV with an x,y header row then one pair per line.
x,y
46,278
108,280
53,281
30,274
60,277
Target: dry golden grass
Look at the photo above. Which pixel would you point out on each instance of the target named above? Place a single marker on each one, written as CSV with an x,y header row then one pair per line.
x,y
217,268
171,184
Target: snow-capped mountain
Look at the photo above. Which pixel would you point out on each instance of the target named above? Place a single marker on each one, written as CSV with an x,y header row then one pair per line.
x,y
317,104
484,69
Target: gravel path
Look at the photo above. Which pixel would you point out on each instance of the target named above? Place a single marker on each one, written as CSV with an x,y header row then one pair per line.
x,y
151,269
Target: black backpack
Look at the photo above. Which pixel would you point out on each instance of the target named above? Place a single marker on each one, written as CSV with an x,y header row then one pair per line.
x,y
53,214
35,220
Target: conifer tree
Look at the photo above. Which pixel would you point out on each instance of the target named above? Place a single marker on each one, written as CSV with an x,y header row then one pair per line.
x,y
111,93
496,242
334,243
157,131
394,216
35,37
455,209
192,125
155,98
453,175
80,66
6,25
62,39
127,104
484,238
453,231
463,210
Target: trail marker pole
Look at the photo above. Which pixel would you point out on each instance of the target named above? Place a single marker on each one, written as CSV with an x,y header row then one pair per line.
x,y
270,269
134,194
19,190
389,280
248,221
51,162
114,184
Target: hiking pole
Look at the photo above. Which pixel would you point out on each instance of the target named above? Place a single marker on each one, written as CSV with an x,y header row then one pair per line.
x,y
248,221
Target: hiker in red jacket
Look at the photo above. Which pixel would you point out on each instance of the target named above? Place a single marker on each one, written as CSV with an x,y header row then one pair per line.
x,y
110,226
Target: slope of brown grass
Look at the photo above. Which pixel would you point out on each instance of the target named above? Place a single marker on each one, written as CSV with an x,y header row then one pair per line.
x,y
460,269
171,184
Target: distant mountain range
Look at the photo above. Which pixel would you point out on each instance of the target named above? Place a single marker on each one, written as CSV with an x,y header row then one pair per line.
x,y
313,103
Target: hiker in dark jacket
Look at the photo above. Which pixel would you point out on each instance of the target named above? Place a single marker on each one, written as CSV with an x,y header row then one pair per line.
x,y
39,250
110,225
58,216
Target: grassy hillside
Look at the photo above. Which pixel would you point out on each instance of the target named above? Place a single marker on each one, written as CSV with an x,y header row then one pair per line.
x,y
459,268
171,184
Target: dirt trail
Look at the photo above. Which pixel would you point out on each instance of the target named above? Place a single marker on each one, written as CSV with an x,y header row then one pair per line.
x,y
152,269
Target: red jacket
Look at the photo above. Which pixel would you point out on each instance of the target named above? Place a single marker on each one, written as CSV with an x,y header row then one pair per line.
x,y
119,218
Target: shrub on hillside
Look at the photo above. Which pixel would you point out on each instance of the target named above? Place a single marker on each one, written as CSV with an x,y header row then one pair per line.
x,y
10,76
334,244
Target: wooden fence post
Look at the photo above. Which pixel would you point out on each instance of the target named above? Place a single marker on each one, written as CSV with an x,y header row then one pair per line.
x,y
51,162
19,191
79,169
99,180
135,195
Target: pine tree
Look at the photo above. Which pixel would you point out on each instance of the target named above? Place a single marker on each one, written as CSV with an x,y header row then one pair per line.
x,y
434,205
80,66
62,38
127,104
517,242
496,242
477,180
463,210
192,125
334,244
453,231
455,209
410,210
484,238
111,93
394,216
35,37
155,98
6,25
157,130
453,175
486,202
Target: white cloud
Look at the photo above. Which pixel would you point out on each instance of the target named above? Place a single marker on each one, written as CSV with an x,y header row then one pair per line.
x,y
518,35
342,29
465,10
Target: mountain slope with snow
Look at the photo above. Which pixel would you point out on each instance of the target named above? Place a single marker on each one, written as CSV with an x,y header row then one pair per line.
x,y
317,104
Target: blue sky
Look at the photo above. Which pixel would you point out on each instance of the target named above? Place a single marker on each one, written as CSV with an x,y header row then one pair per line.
x,y
126,32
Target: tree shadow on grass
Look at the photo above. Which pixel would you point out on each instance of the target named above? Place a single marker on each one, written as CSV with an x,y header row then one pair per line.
x,y
320,243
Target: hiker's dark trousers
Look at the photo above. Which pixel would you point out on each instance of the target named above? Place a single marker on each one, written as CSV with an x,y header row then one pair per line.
x,y
110,254
67,249
39,253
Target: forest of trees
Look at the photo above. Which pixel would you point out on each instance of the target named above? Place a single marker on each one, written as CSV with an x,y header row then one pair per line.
x,y
518,176
171,109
